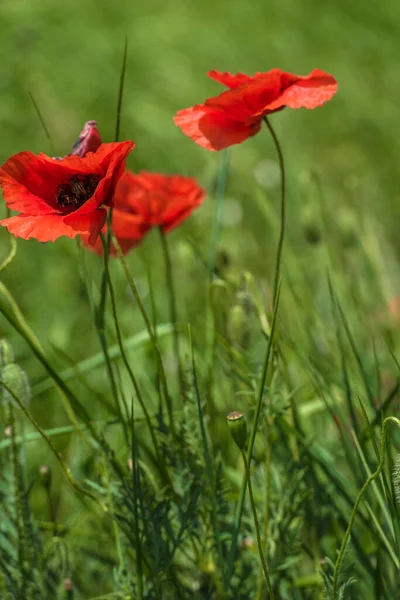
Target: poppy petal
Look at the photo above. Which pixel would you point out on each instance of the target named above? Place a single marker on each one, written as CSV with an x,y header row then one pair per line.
x,y
44,228
90,223
23,185
307,92
231,81
213,129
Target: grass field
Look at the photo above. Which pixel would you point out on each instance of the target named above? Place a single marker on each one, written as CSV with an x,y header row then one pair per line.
x,y
153,514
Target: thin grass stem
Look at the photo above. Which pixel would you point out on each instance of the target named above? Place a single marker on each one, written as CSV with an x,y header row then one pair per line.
x,y
135,291
172,307
239,509
257,526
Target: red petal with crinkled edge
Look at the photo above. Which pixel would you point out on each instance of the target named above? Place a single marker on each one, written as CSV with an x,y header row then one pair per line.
x,y
48,228
44,228
231,81
307,92
213,129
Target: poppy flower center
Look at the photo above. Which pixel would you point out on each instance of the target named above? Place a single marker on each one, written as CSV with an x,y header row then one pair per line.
x,y
77,190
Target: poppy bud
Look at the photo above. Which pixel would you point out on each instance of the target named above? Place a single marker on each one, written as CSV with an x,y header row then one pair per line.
x,y
15,378
89,140
6,353
45,476
238,428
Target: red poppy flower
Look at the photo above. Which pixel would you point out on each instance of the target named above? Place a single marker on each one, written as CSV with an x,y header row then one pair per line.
x,y
236,114
61,197
150,200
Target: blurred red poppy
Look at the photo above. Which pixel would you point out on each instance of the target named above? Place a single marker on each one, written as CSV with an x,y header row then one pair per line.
x,y
61,197
237,114
150,200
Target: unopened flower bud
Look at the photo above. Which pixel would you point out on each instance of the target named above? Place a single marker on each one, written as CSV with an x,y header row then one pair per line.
x,y
6,353
238,428
16,380
89,140
45,476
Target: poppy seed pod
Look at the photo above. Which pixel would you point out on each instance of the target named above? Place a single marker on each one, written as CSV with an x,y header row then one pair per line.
x,y
15,379
6,353
238,428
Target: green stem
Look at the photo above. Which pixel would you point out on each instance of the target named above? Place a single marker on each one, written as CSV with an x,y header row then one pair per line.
x,y
11,254
116,531
121,90
172,307
134,380
353,515
135,291
267,500
18,492
136,496
100,328
283,208
239,510
211,480
257,526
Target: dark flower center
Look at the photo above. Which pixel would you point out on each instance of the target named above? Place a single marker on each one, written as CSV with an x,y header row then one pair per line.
x,y
77,190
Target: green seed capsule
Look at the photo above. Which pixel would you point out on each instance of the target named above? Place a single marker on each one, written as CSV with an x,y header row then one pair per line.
x,y
238,428
15,379
6,353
